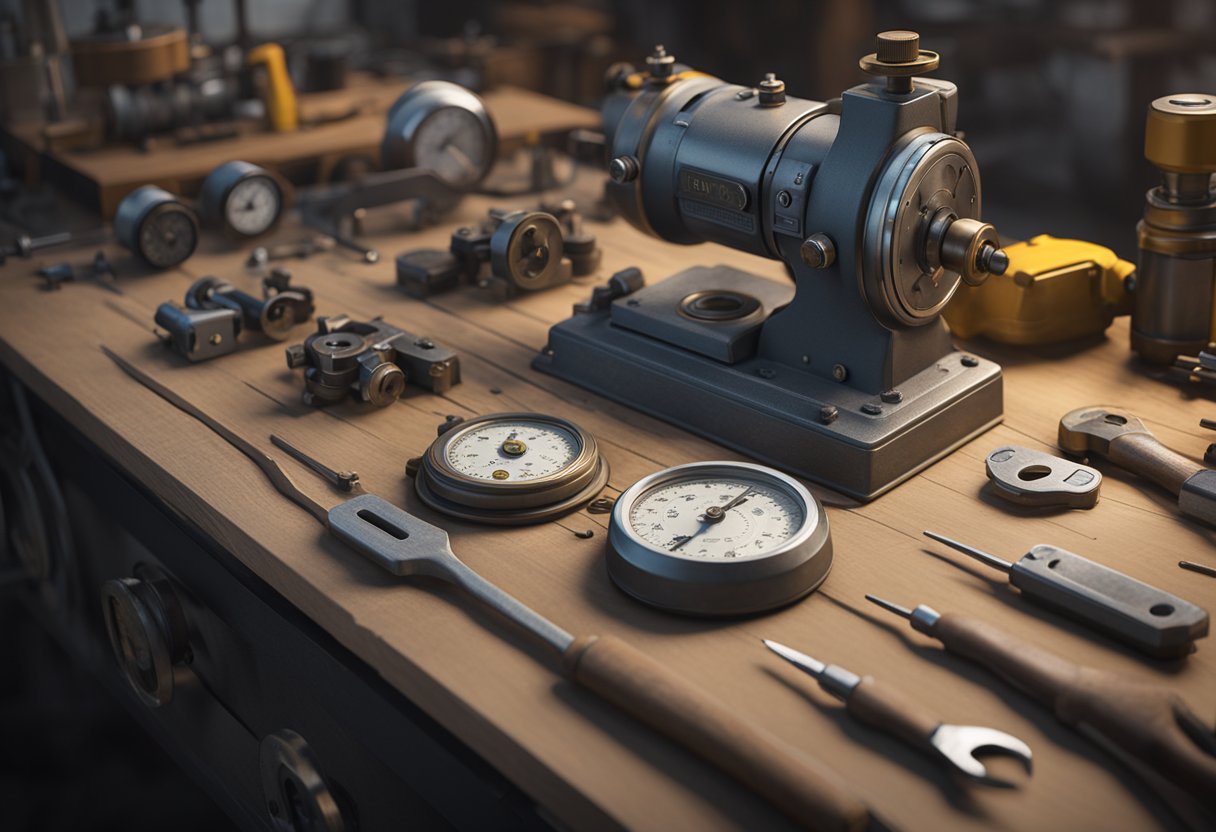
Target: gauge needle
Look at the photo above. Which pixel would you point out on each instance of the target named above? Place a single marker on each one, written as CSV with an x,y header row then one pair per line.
x,y
713,514
460,156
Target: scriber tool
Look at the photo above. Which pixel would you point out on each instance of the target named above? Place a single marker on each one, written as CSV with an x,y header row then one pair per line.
x,y
1137,614
1137,720
887,709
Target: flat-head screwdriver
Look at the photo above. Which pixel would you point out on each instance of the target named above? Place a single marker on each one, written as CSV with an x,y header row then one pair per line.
x,y
1144,721
1135,613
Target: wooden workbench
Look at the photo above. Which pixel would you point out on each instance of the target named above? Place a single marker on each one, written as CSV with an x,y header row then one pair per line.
x,y
587,764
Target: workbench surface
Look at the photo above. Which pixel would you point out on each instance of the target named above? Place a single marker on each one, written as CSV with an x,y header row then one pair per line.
x,y
587,764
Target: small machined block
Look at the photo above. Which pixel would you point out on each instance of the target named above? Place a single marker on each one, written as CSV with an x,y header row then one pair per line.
x,y
1033,478
199,334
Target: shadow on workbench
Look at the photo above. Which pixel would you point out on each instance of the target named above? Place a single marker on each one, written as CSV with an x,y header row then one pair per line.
x,y
73,759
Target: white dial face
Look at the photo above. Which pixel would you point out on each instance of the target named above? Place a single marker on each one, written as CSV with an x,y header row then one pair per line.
x,y
453,144
717,518
515,451
252,205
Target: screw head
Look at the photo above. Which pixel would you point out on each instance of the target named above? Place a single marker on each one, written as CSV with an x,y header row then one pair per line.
x,y
970,361
892,396
623,169
840,372
766,372
828,414
871,408
818,251
772,91
784,199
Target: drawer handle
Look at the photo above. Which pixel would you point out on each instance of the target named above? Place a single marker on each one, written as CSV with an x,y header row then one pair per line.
x,y
297,796
147,630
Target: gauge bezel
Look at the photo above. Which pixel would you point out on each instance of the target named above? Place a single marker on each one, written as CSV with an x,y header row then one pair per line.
x,y
172,206
217,191
446,489
418,104
713,588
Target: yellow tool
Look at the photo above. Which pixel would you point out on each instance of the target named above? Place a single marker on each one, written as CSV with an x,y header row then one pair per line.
x,y
274,86
1054,290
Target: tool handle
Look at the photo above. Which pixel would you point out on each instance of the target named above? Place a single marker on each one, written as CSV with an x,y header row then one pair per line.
x,y
887,709
1147,721
655,695
1138,614
1145,455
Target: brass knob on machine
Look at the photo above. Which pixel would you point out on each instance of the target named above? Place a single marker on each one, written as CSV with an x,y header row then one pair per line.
x,y
297,797
148,634
898,57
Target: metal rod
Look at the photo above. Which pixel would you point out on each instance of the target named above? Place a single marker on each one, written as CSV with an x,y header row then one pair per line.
x,y
902,612
802,661
341,480
1210,424
1197,567
983,557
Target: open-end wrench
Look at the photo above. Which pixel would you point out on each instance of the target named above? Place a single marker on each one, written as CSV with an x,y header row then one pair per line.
x,y
1120,437
885,708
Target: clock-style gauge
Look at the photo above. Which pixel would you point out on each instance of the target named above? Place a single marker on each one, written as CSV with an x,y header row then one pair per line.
x,y
241,198
511,469
444,128
718,538
157,226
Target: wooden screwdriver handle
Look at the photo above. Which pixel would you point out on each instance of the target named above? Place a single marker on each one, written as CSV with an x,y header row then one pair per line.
x,y
1147,721
1145,455
675,707
885,708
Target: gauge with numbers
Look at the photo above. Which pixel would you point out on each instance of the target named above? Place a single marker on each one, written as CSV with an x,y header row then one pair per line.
x,y
157,226
241,198
718,538
444,128
511,468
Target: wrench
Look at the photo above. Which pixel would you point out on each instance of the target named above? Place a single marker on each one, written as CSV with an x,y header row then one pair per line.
x,y
1123,439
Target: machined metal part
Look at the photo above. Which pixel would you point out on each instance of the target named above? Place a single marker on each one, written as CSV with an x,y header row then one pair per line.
x,y
148,633
1174,300
526,249
370,360
511,469
157,226
1033,478
296,793
959,746
243,199
622,283
873,204
1140,615
701,550
442,127
1197,567
199,334
1120,437
137,113
281,307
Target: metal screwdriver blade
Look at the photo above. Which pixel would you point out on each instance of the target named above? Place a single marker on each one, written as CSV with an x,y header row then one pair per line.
x,y
982,556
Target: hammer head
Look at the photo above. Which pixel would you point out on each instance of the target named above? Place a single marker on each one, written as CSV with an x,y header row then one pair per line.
x,y
1091,429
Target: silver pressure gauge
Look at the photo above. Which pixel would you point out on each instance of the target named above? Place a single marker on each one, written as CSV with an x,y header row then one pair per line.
x,y
718,538
444,128
511,468
241,198
157,226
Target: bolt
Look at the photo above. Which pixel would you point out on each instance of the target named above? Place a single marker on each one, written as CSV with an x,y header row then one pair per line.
x,y
840,372
623,169
660,65
828,414
818,251
892,396
970,361
871,408
772,91
587,535
425,344
991,259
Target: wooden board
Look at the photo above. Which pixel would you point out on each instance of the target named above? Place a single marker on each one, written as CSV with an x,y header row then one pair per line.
x,y
103,176
589,765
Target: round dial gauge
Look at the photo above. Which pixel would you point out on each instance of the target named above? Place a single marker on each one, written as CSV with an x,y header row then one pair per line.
x,y
242,199
444,128
157,226
718,538
511,468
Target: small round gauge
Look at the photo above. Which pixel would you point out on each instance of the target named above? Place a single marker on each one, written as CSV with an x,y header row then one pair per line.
x,y
243,199
511,468
444,128
718,538
157,226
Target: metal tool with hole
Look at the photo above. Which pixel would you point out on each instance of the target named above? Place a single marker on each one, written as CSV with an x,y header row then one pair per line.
x,y
1123,439
868,701
1032,478
718,538
511,469
1135,613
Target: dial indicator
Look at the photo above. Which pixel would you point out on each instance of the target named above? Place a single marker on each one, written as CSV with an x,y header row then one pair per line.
x,y
241,198
718,538
511,468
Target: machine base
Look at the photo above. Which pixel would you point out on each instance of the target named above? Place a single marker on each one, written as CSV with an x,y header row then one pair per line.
x,y
781,415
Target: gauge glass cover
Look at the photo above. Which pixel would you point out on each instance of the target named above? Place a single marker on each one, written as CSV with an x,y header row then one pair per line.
x,y
452,143
513,451
252,205
167,237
